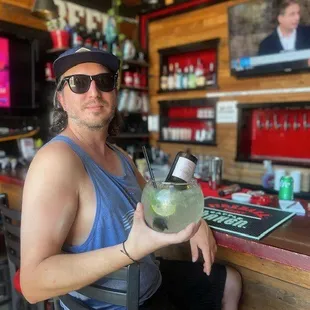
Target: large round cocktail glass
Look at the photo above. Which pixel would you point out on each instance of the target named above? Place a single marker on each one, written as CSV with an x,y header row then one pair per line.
x,y
170,207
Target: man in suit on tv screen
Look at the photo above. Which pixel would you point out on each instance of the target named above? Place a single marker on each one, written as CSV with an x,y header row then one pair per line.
x,y
289,35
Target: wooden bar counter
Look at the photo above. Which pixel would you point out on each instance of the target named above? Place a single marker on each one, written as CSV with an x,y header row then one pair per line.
x,y
275,270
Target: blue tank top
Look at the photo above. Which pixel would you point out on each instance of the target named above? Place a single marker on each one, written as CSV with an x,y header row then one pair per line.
x,y
116,199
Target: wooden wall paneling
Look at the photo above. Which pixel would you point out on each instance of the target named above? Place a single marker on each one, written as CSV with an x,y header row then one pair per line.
x,y
207,24
270,293
272,269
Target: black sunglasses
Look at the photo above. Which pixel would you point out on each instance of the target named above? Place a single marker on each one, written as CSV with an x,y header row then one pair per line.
x,y
80,83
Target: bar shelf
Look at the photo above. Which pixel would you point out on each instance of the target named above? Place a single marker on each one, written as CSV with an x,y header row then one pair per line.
x,y
189,67
190,121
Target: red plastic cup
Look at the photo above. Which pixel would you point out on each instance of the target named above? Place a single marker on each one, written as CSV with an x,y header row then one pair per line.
x,y
60,38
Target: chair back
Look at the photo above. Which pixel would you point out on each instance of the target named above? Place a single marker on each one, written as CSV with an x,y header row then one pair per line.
x,y
11,225
128,298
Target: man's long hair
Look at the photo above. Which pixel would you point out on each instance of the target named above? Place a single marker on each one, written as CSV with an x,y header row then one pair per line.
x,y
60,118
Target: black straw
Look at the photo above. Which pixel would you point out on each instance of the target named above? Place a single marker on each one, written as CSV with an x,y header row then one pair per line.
x,y
149,166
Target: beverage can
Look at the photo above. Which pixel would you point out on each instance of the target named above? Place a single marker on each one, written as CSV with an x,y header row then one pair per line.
x,y
286,188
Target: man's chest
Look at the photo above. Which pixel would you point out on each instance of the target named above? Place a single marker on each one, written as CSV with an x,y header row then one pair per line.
x,y
110,163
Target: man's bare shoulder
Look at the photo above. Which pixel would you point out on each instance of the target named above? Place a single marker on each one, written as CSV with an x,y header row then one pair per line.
x,y
56,158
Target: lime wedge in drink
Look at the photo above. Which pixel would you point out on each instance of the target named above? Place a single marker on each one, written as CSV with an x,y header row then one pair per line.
x,y
164,210
163,204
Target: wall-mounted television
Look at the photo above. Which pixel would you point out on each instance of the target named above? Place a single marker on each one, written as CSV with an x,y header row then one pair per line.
x,y
17,72
269,37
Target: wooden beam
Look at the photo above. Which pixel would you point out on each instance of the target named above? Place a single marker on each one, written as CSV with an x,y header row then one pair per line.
x,y
22,16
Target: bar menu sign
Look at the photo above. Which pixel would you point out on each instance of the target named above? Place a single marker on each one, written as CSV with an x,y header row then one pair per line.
x,y
246,220
226,112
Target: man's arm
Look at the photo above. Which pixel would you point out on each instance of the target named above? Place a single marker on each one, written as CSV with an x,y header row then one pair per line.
x,y
50,203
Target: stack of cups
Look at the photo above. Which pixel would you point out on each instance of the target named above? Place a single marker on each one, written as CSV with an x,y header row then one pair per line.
x,y
296,175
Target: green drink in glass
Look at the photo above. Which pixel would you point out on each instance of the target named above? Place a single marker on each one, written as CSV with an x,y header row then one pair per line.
x,y
170,207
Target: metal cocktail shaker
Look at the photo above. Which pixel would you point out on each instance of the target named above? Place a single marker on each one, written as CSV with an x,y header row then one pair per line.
x,y
215,172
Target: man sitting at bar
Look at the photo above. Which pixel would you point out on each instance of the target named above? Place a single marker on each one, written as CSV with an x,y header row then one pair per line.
x,y
81,216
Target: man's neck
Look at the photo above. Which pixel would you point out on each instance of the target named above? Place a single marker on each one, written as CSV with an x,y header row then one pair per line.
x,y
286,32
95,140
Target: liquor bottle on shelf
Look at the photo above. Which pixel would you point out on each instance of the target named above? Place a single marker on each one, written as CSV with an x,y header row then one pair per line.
x,y
211,78
185,78
116,48
83,33
183,168
164,79
171,77
176,69
191,77
200,74
103,43
77,35
88,39
96,39
179,78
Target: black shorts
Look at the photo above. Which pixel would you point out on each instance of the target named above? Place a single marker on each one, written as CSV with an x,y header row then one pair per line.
x,y
186,287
